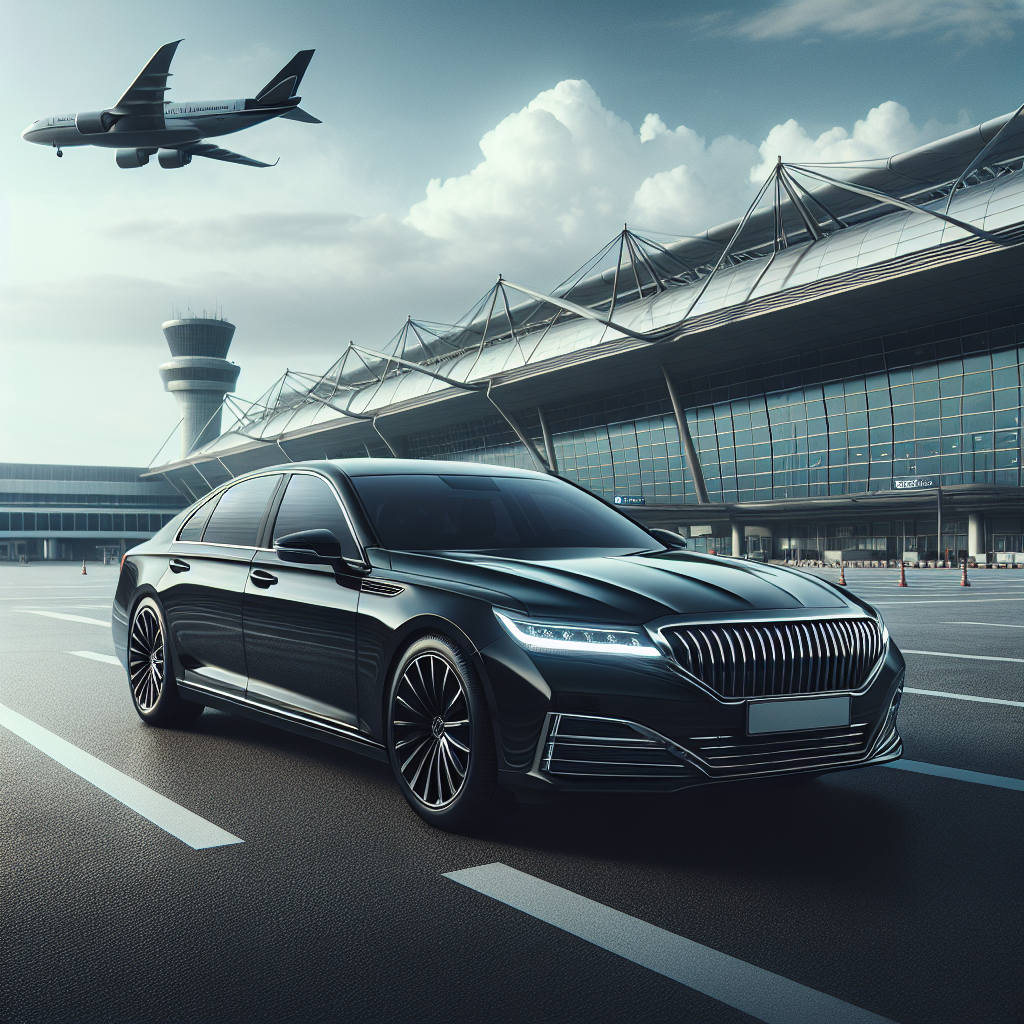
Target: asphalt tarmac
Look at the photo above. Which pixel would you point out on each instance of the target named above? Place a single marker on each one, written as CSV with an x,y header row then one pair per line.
x,y
882,893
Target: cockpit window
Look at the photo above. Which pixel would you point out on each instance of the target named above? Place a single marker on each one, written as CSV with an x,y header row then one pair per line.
x,y
425,512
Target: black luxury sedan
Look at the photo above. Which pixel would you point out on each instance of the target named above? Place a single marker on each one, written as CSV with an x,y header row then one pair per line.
x,y
494,632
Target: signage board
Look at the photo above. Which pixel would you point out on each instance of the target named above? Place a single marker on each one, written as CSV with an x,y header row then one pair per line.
x,y
913,483
629,499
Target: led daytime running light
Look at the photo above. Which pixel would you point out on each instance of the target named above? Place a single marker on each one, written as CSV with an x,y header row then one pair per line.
x,y
561,638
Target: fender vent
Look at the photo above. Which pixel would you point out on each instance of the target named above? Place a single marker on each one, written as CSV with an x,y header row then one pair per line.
x,y
380,588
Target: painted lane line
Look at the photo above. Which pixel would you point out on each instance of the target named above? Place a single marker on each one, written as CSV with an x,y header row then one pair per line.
x,y
955,696
755,991
1001,625
109,659
981,778
191,829
61,615
969,657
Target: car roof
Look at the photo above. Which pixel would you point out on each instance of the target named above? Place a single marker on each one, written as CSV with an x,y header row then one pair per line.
x,y
398,467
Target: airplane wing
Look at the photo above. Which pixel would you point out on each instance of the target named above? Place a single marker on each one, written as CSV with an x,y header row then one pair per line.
x,y
146,94
212,152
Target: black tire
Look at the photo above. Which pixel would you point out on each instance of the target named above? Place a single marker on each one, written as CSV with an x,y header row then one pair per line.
x,y
151,670
440,740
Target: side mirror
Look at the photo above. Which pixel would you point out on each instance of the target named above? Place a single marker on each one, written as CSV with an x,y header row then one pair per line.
x,y
310,547
669,538
315,547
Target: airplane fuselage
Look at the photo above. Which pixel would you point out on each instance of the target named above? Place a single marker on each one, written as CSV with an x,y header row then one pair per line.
x,y
180,123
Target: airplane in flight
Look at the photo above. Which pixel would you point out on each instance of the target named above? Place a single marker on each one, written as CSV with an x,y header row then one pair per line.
x,y
142,123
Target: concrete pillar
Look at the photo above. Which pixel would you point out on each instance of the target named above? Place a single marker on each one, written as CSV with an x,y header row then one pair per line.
x,y
976,534
737,540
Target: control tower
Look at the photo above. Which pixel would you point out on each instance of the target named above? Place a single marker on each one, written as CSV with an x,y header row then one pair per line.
x,y
199,375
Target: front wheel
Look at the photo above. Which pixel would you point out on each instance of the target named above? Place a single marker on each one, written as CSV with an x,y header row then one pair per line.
x,y
150,670
440,741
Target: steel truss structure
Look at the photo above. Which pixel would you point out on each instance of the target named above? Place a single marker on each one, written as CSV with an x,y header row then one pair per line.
x,y
638,288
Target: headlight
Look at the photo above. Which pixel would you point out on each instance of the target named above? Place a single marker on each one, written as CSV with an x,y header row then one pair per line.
x,y
566,638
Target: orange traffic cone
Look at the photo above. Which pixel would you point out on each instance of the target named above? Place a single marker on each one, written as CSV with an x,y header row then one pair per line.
x,y
842,574
84,573
964,581
903,575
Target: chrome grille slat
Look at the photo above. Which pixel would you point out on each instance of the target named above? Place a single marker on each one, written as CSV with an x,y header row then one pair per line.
x,y
778,659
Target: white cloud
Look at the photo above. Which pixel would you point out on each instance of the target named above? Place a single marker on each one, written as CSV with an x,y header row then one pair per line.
x,y
887,129
972,21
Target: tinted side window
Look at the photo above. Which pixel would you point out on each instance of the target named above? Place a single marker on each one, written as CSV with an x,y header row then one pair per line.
x,y
236,520
310,504
194,527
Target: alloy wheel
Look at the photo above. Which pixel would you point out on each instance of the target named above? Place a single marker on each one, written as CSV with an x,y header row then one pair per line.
x,y
431,730
146,658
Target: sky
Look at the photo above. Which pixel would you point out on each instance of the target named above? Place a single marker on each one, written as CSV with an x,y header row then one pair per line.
x,y
460,140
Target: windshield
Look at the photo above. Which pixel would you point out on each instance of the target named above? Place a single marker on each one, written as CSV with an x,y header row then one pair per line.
x,y
428,512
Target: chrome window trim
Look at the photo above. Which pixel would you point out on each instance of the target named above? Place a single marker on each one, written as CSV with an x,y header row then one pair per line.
x,y
831,622
363,562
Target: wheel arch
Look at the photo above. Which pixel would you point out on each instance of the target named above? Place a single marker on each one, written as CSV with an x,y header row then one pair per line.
x,y
429,624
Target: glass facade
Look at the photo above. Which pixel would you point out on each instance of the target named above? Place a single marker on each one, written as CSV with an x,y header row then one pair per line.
x,y
943,401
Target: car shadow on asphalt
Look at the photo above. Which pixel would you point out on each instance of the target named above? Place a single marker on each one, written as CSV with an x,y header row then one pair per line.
x,y
821,828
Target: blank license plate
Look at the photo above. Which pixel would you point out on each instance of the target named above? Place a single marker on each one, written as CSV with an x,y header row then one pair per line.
x,y
795,715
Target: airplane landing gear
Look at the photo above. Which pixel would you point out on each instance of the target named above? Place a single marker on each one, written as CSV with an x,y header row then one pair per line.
x,y
60,152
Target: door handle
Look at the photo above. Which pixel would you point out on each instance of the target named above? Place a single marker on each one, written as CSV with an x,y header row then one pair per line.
x,y
262,578
179,565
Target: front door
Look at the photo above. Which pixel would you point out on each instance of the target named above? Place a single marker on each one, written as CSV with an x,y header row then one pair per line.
x,y
300,620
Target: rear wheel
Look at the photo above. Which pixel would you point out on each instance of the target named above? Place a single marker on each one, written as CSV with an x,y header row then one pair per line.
x,y
150,670
440,741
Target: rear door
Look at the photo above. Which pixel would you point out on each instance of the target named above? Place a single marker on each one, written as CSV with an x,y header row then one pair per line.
x,y
203,587
300,620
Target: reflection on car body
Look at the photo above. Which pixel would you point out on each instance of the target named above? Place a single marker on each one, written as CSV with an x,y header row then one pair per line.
x,y
493,632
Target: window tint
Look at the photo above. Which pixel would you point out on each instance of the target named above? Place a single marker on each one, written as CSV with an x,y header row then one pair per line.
x,y
194,527
310,504
239,512
459,513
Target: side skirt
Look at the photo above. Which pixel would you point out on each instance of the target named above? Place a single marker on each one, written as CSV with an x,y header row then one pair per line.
x,y
292,722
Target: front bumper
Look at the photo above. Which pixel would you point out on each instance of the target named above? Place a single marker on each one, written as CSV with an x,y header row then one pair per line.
x,y
630,738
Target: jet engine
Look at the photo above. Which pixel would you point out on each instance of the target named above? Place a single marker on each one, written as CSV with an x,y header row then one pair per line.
x,y
174,158
95,122
133,157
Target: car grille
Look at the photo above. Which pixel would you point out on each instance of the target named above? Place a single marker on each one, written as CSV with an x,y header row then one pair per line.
x,y
775,659
738,754
577,745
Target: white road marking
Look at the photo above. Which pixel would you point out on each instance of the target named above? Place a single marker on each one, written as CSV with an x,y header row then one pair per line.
x,y
192,830
955,696
983,779
753,990
109,659
969,657
61,615
1001,625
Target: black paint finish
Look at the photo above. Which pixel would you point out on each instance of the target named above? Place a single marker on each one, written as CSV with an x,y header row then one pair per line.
x,y
316,645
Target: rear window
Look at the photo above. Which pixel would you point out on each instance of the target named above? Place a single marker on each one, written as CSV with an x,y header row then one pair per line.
x,y
197,523
237,517
427,512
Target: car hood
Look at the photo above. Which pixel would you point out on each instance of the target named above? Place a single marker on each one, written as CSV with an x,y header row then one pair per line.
x,y
629,588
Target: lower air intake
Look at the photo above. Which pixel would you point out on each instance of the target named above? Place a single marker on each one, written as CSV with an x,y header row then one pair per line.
x,y
583,746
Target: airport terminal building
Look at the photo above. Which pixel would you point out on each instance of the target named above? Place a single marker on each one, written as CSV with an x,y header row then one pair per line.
x,y
70,513
834,375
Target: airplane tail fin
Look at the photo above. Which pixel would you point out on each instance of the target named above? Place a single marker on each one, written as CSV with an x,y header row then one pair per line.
x,y
285,84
